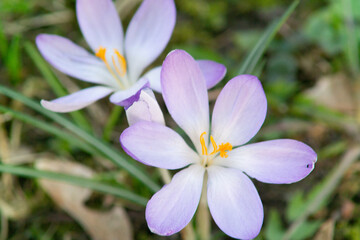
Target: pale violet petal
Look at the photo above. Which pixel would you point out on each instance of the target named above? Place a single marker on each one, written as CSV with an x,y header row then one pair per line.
x,y
145,109
239,111
73,60
157,145
77,100
234,203
276,161
213,73
154,78
127,97
172,208
148,34
185,94
100,24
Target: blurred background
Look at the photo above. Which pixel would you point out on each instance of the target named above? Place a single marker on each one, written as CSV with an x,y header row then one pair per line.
x,y
310,71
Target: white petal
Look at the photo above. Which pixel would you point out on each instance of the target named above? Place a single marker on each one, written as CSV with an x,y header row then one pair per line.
x,y
172,208
276,161
148,34
77,100
127,97
145,109
73,60
100,24
239,111
154,78
157,145
185,94
213,73
234,203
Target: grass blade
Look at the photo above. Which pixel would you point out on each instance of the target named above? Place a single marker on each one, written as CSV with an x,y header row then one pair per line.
x,y
258,51
50,128
74,180
118,158
54,83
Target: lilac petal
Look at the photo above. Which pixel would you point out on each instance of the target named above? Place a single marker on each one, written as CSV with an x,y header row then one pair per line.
x,y
72,59
154,78
172,208
213,72
77,100
145,109
234,203
127,97
100,24
239,111
185,94
157,145
148,34
277,161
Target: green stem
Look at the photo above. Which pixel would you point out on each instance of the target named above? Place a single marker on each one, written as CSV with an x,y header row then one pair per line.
x,y
203,221
113,119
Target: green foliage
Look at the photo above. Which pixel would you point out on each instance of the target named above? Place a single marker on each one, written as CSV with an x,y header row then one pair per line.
x,y
335,28
15,6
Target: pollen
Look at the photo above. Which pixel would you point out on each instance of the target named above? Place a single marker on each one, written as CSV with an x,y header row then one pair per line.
x,y
223,148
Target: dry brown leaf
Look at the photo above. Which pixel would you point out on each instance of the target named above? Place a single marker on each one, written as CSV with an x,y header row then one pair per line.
x,y
326,231
111,225
333,92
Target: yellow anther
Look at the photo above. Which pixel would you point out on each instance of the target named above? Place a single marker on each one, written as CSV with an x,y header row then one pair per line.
x,y
214,145
203,146
122,61
101,53
222,148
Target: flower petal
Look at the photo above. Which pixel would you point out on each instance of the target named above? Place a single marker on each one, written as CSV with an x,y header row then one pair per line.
x,y
100,24
145,109
154,78
157,145
127,97
77,100
213,72
185,94
148,34
239,110
72,59
234,203
277,161
172,208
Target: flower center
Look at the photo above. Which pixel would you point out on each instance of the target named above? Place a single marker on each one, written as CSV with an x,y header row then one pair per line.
x,y
223,149
118,68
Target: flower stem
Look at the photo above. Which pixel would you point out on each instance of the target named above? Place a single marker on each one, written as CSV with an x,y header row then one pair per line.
x,y
203,216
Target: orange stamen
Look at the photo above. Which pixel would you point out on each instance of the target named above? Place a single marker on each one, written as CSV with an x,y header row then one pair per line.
x,y
223,148
202,141
101,53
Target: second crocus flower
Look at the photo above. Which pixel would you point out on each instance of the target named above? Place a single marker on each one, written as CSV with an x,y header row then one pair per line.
x,y
219,151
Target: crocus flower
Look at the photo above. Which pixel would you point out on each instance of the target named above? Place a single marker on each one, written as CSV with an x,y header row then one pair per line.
x,y
118,62
219,150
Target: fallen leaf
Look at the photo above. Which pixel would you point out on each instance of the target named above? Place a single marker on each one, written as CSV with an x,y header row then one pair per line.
x,y
110,225
333,92
326,231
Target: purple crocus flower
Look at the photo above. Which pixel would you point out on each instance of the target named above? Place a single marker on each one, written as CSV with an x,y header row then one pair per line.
x,y
220,152
118,62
